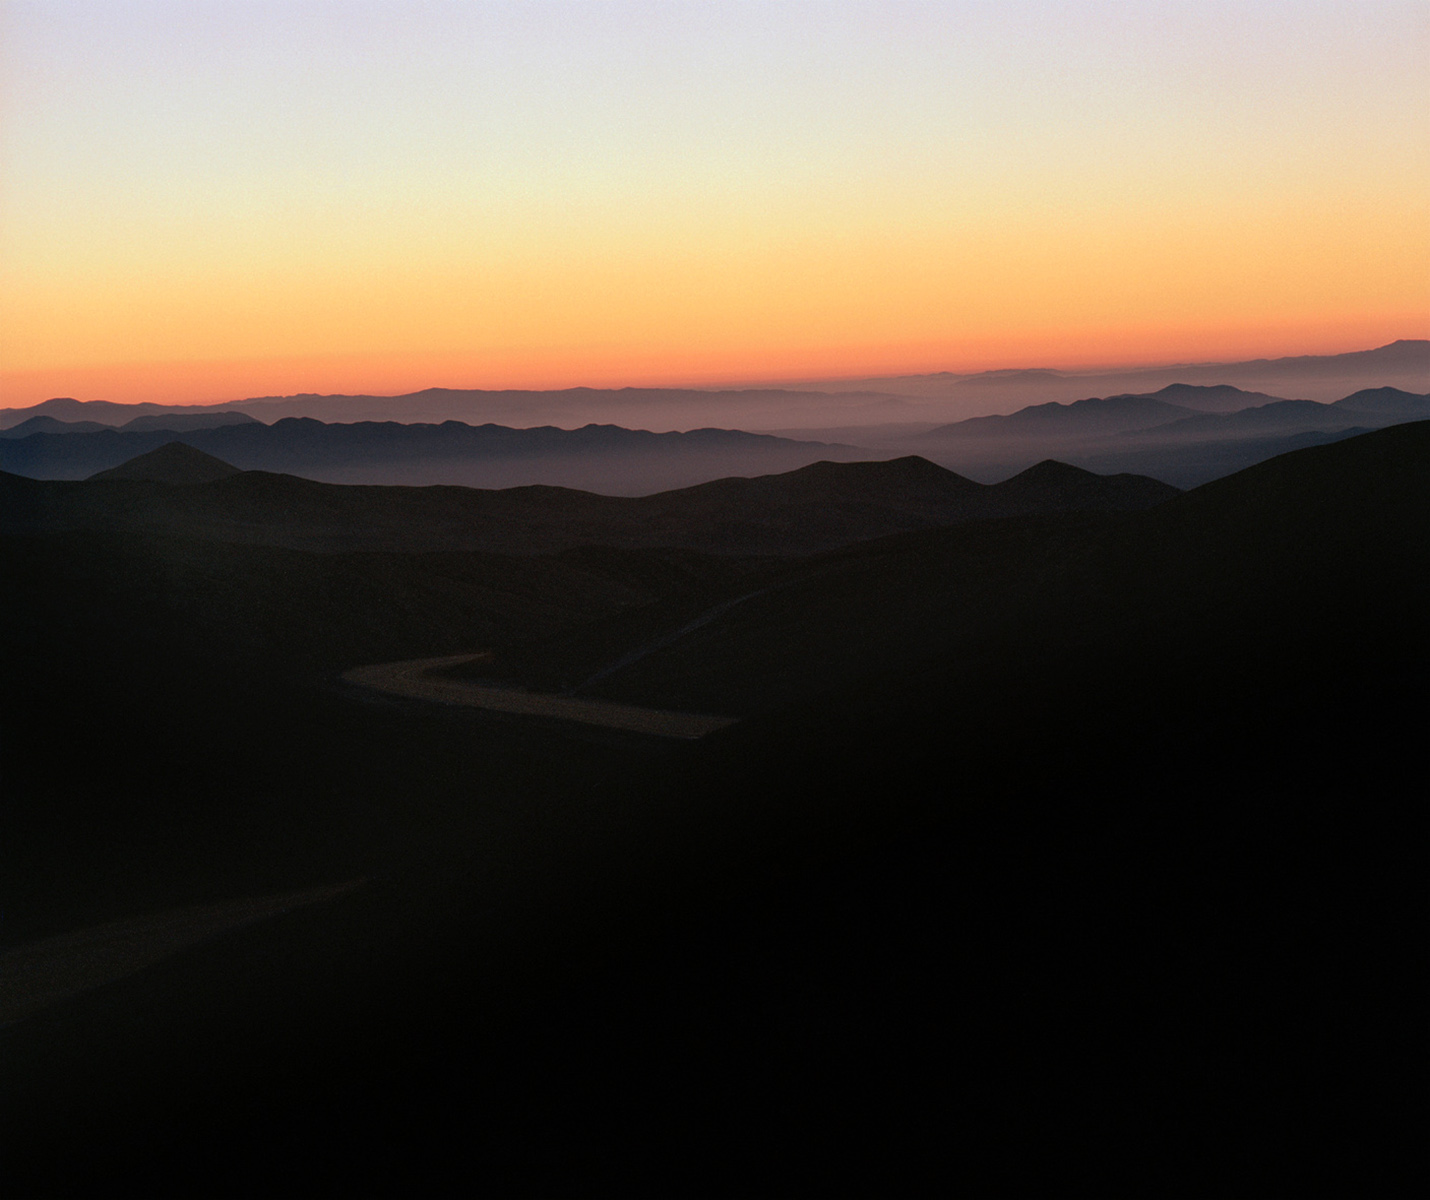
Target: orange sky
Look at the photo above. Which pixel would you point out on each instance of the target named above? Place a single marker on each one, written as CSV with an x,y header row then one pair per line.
x,y
346,198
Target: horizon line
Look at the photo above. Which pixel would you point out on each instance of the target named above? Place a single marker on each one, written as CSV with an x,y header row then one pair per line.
x,y
791,382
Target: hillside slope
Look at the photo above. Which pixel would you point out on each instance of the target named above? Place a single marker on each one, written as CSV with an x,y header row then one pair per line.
x,y
1259,558
1094,866
814,508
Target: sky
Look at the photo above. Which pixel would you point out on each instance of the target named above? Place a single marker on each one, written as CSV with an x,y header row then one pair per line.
x,y
202,201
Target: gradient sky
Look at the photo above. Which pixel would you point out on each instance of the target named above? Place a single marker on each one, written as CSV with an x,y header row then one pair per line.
x,y
203,201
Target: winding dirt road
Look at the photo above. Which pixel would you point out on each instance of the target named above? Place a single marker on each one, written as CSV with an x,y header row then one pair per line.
x,y
414,680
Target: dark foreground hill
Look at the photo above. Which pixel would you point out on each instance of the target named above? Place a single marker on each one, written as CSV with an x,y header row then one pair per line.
x,y
1098,872
813,508
1283,546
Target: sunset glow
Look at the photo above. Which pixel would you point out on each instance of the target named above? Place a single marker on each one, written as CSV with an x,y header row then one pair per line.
x,y
201,202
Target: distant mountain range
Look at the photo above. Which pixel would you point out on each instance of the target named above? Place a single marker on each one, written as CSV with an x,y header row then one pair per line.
x,y
813,406
1182,410
173,420
659,409
604,458
1182,434
1166,569
179,490
1403,364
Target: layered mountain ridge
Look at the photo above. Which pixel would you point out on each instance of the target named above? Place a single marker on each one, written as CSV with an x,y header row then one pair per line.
x,y
817,507
1183,434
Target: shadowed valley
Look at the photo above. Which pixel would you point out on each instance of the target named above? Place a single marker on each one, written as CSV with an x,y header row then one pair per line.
x,y
1061,815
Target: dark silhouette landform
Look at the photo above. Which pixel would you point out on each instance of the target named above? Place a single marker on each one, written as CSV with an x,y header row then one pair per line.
x,y
1183,434
937,591
173,462
1166,414
600,457
816,507
1068,838
1163,434
122,419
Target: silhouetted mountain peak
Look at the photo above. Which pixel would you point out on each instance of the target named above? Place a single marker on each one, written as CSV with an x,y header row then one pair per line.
x,y
173,462
1416,348
1050,470
1385,400
908,468
1198,389
1057,486
42,423
1092,416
